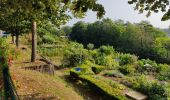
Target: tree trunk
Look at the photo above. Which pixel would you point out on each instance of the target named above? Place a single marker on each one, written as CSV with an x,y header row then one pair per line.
x,y
13,39
34,41
17,40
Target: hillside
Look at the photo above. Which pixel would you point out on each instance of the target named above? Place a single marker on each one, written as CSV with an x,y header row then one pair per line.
x,y
85,74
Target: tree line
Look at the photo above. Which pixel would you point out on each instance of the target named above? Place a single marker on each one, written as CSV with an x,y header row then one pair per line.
x,y
24,16
141,39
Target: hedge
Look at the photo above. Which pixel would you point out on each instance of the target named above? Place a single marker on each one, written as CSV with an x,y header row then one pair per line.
x,y
98,69
102,87
82,70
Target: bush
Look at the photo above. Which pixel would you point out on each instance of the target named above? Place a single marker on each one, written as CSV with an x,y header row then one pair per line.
x,y
151,88
146,66
127,59
106,50
127,69
162,68
75,55
107,61
164,74
90,46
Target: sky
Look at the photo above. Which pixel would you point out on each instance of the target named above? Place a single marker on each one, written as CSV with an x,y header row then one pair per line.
x,y
120,9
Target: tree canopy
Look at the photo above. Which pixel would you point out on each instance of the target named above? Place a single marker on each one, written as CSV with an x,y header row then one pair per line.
x,y
152,6
137,38
57,12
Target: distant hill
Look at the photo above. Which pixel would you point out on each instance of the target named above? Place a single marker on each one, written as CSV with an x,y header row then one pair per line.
x,y
167,31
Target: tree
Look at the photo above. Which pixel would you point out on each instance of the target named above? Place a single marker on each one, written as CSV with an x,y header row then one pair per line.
x,y
152,6
14,23
67,30
55,11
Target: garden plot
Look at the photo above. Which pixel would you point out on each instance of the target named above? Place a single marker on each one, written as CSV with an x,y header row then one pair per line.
x,y
121,88
115,75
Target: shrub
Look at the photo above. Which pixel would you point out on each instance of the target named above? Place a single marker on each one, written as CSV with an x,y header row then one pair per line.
x,y
146,66
127,69
107,61
106,50
162,68
127,59
152,88
90,46
75,55
164,74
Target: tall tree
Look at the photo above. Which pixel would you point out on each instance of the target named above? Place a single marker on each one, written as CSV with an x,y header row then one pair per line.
x,y
55,11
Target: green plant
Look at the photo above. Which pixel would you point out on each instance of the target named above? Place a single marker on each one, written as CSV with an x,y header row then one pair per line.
x,y
127,69
106,50
147,66
97,69
127,59
152,88
83,69
114,73
109,90
48,39
90,46
75,55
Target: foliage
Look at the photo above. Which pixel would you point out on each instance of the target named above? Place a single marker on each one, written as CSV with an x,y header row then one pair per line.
x,y
154,89
74,55
131,38
161,49
127,69
109,91
48,39
127,59
81,70
163,70
97,69
152,6
4,53
147,66
50,52
90,46
67,30
106,50
114,73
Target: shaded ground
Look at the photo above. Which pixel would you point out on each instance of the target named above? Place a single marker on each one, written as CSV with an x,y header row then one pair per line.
x,y
80,87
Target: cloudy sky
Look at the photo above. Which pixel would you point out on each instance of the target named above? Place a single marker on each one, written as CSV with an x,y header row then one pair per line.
x,y
120,9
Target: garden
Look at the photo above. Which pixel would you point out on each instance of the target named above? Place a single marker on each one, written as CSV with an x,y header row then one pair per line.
x,y
110,73
114,74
